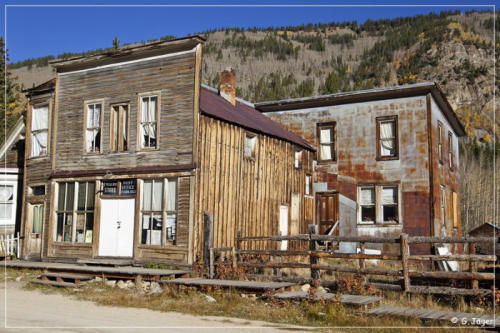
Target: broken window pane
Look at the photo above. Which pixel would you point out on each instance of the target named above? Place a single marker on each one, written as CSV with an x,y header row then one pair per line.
x,y
250,141
149,121
93,132
39,131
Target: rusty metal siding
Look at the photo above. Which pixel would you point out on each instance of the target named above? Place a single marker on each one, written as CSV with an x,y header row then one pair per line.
x,y
356,150
173,77
442,175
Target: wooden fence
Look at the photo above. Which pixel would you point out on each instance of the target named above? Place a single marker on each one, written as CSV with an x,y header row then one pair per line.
x,y
9,245
314,254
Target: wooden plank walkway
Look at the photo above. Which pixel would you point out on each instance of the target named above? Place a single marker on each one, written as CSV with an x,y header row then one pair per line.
x,y
94,270
245,285
355,300
481,320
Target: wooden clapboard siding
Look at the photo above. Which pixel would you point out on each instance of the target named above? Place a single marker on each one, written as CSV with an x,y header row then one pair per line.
x,y
36,172
242,193
173,77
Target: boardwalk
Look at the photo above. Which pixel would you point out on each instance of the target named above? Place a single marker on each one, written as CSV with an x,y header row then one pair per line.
x,y
236,284
461,318
354,300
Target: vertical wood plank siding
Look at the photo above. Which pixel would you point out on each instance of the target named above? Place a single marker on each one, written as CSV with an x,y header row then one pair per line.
x,y
173,77
242,193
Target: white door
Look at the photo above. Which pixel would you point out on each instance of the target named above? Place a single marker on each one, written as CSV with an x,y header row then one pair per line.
x,y
116,234
284,225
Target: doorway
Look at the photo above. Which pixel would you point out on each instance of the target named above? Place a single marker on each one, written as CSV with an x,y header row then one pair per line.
x,y
327,211
116,232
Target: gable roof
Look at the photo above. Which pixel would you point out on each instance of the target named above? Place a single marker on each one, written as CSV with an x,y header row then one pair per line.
x,y
359,96
485,224
12,137
245,115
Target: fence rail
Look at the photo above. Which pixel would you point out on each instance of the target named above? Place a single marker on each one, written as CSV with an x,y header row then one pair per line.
x,y
315,253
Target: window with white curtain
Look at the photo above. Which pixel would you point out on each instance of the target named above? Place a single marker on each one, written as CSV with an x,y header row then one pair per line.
x,y
387,137
93,128
39,130
378,204
6,201
149,121
159,211
37,219
326,137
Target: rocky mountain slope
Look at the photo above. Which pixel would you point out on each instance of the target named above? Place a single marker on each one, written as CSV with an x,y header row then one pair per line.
x,y
455,50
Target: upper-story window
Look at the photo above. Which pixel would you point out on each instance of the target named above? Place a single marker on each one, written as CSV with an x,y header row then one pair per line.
x,y
149,121
378,204
250,141
119,127
298,159
440,142
39,130
326,139
451,156
6,201
387,137
93,128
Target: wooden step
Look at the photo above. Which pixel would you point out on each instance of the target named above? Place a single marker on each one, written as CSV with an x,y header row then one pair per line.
x,y
54,283
66,276
105,262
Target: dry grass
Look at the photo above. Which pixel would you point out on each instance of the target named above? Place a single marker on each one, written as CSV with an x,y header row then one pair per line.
x,y
231,304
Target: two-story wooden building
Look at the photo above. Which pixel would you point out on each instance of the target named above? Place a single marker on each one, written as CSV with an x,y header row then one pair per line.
x,y
387,159
125,151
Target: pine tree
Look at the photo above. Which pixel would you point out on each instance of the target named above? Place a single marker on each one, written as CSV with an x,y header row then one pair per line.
x,y
116,43
10,97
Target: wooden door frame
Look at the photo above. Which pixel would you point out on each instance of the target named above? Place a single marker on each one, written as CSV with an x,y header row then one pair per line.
x,y
317,195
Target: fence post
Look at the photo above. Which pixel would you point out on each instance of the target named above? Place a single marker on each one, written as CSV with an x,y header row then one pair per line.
x,y
404,261
473,264
18,249
212,258
208,237
238,245
315,273
362,246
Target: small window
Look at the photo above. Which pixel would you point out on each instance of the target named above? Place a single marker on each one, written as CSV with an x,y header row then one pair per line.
x,y
37,190
326,138
149,122
390,203
93,130
37,219
309,189
367,204
440,142
454,197
250,143
6,201
451,155
298,159
119,128
387,137
39,131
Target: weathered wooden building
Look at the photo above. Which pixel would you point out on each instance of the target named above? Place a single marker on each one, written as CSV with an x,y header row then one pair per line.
x,y
127,150
387,159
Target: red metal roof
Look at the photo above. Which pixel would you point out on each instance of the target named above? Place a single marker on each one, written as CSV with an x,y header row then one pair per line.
x,y
246,116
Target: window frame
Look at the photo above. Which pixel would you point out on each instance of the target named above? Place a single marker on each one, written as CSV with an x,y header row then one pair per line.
x,y
332,144
85,211
308,189
74,212
48,104
249,135
33,186
113,137
164,241
85,128
32,207
11,202
440,142
451,155
379,206
384,119
298,159
149,94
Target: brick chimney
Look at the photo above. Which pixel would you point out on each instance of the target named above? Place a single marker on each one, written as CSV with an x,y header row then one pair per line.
x,y
227,87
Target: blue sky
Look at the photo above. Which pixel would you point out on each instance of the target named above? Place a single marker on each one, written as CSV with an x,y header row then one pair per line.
x,y
39,31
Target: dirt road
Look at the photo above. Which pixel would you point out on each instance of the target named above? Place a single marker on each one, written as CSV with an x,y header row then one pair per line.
x,y
32,311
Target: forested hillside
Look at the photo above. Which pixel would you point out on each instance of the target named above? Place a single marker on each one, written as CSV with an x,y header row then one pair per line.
x,y
455,50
